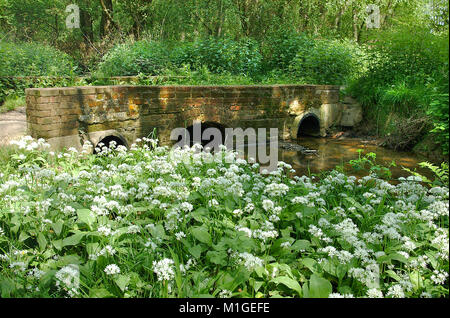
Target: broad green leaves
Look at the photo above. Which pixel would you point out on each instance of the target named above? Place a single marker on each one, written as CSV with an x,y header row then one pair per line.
x,y
42,241
57,226
86,216
232,279
201,233
100,293
217,257
288,282
122,281
200,248
312,265
195,250
317,287
72,240
301,245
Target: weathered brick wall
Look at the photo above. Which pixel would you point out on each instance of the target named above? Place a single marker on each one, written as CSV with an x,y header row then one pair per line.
x,y
135,111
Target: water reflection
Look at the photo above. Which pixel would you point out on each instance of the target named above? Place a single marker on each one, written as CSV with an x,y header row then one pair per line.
x,y
334,152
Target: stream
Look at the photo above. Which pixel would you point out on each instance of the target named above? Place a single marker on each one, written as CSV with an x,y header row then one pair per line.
x,y
333,152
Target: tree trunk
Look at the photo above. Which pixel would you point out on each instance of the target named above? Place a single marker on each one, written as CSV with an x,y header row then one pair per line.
x,y
136,29
355,27
86,26
106,21
220,19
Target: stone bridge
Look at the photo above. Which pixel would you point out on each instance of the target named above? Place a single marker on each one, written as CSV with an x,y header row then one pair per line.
x,y
68,116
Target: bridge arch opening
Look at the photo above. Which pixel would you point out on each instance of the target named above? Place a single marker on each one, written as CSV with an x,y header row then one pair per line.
x,y
220,129
309,126
109,141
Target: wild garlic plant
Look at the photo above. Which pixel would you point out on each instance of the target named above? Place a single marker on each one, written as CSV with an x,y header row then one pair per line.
x,y
155,222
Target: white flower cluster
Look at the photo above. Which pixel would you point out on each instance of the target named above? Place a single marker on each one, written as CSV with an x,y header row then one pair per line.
x,y
112,269
250,261
150,199
164,269
68,279
29,144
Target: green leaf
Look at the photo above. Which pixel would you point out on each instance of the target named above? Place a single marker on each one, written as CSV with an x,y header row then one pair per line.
x,y
92,248
141,208
343,290
229,204
203,296
14,229
319,287
341,270
231,280
86,216
217,257
356,204
312,265
41,241
305,290
432,258
257,285
73,240
57,227
7,286
199,214
301,245
122,281
393,256
288,282
308,211
201,233
68,259
47,279
23,236
416,280
158,231
399,257
329,267
286,233
100,293
393,275
58,244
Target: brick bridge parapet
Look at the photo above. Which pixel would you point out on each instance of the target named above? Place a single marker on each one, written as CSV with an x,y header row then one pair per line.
x,y
69,115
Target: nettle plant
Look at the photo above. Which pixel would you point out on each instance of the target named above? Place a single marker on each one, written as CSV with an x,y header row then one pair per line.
x,y
368,162
155,222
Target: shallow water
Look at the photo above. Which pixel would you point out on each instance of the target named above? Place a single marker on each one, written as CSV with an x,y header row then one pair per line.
x,y
334,152
337,152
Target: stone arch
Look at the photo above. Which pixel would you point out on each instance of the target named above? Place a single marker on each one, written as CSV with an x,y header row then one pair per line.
x,y
307,124
106,137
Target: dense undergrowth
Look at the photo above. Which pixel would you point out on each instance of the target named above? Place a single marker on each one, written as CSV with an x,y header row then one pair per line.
x,y
31,59
401,81
154,222
407,80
